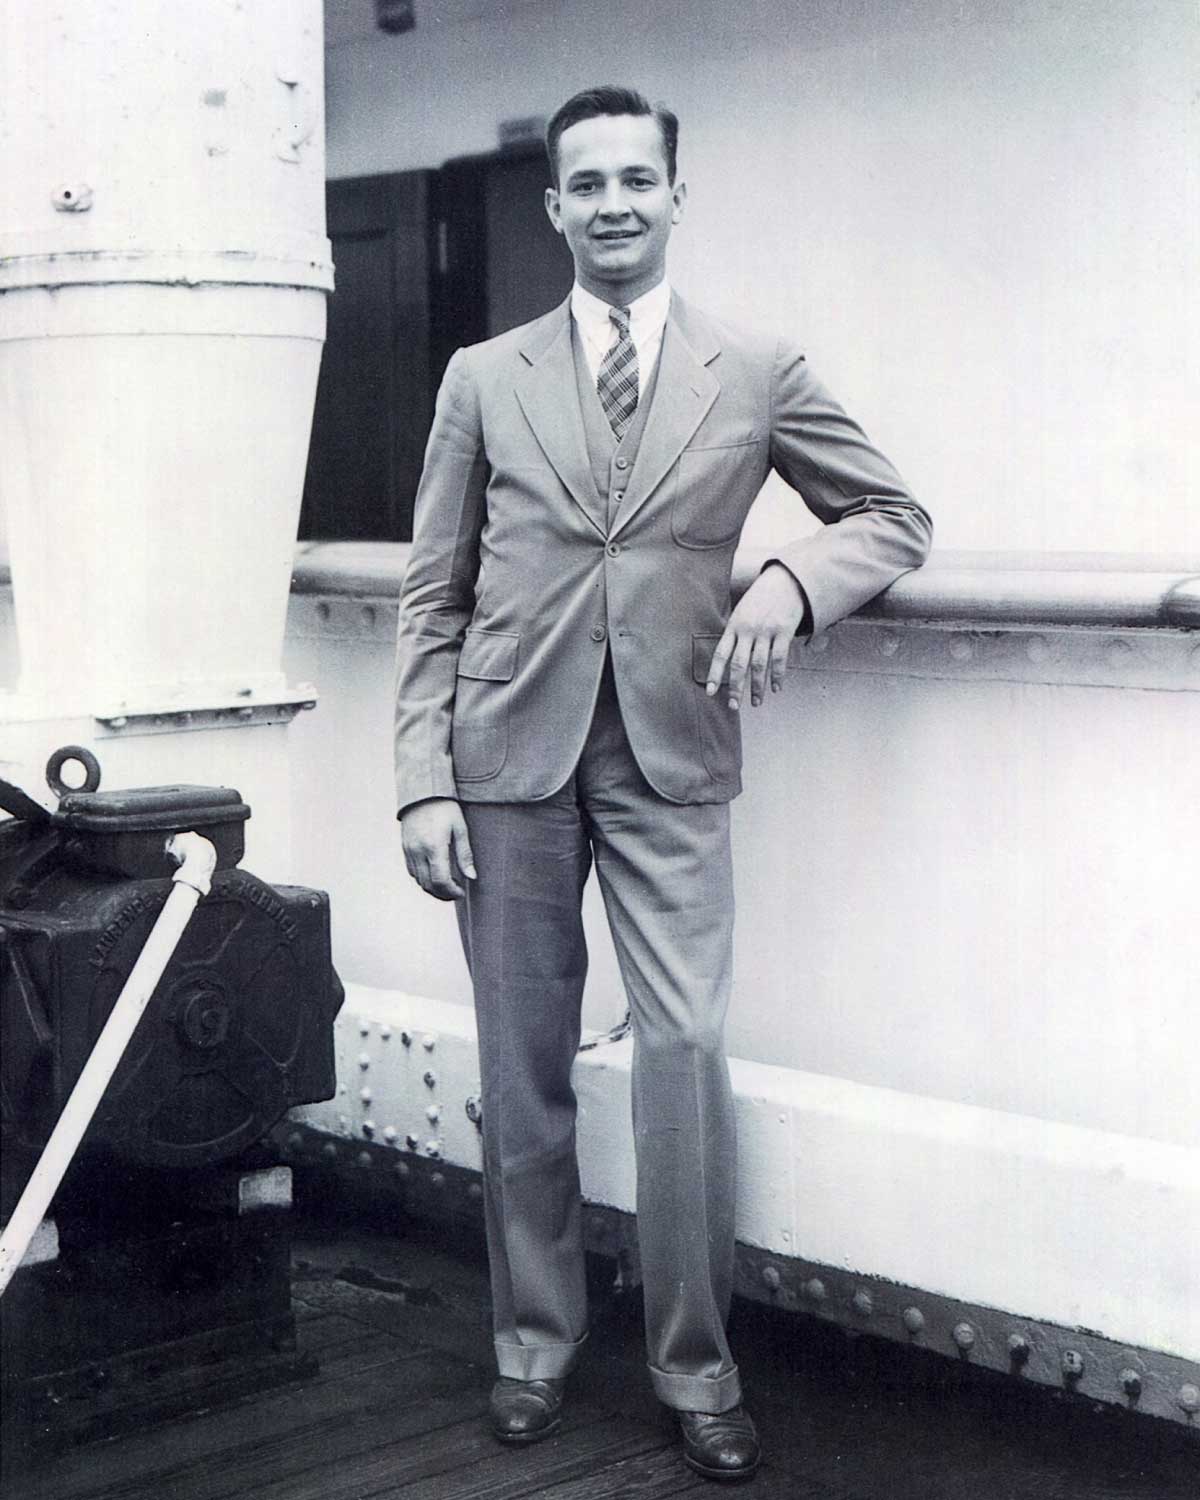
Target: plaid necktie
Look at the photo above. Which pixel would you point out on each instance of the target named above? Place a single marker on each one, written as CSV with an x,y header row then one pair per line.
x,y
617,382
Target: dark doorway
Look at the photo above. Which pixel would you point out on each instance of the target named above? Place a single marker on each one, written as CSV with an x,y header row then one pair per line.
x,y
425,263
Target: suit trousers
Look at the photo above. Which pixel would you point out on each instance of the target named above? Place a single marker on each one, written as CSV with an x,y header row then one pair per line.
x,y
665,876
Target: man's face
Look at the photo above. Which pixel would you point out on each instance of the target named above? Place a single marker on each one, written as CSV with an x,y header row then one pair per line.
x,y
614,204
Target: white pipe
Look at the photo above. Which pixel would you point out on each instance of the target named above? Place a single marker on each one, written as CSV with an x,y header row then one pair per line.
x,y
197,859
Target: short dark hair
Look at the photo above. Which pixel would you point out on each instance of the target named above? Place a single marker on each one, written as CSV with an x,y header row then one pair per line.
x,y
609,99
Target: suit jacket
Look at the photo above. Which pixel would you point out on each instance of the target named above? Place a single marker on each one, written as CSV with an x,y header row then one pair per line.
x,y
516,588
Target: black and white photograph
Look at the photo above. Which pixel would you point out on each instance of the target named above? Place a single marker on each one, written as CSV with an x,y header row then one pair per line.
x,y
599,749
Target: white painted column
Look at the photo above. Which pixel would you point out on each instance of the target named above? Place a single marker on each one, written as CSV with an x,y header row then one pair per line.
x,y
163,274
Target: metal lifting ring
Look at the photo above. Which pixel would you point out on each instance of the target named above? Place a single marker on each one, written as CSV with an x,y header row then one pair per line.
x,y
59,759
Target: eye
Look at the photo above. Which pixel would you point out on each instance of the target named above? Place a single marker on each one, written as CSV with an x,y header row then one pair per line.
x,y
581,189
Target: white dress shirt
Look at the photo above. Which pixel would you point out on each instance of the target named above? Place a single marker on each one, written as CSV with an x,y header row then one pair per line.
x,y
647,320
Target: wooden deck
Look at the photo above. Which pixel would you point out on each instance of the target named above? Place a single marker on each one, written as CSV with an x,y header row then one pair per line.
x,y
397,1409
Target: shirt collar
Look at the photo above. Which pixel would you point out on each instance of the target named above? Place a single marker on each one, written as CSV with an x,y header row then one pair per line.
x,y
647,313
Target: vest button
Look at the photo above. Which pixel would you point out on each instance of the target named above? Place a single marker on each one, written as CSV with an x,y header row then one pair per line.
x,y
613,549
618,495
622,463
598,632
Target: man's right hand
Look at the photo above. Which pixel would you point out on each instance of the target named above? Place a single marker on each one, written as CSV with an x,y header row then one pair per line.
x,y
437,849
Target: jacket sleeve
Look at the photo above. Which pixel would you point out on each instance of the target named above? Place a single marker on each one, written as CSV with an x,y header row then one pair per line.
x,y
874,530
437,597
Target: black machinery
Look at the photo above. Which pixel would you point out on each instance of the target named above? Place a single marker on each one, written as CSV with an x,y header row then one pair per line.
x,y
172,1255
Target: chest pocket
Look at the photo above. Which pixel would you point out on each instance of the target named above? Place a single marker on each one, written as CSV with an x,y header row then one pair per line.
x,y
714,488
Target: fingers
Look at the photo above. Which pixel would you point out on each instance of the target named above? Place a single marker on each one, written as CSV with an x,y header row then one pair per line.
x,y
437,849
780,647
716,669
760,656
461,841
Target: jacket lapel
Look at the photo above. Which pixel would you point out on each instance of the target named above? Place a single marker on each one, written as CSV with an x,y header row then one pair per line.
x,y
546,392
686,389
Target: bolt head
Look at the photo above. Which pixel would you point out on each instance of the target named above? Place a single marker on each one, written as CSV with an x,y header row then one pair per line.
x,y
1188,1398
1131,1383
1018,1348
389,1134
429,1042
364,1158
430,1078
1072,1364
914,1319
368,1127
438,1180
863,1304
364,1060
772,1278
964,1336
329,1151
814,1289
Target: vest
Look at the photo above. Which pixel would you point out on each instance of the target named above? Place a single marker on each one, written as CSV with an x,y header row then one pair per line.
x,y
611,461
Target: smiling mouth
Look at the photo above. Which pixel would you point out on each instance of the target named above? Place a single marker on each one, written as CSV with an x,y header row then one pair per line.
x,y
617,234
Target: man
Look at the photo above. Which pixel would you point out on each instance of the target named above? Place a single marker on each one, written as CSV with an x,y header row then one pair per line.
x,y
569,676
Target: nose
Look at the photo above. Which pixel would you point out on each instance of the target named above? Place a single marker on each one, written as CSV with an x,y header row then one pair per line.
x,y
613,204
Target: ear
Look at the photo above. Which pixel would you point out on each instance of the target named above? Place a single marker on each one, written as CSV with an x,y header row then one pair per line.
x,y
678,200
552,209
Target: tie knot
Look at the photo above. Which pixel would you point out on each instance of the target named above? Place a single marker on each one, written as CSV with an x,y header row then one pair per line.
x,y
620,316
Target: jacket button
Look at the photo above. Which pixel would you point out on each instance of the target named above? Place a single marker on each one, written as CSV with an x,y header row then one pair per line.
x,y
613,549
618,495
598,632
622,463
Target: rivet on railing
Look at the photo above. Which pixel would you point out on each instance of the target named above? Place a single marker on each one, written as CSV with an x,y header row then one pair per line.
x,y
1131,1383
771,1278
434,1113
964,1336
863,1304
429,1078
295,1140
364,1158
438,1180
403,1169
429,1042
475,1191
1018,1350
365,1095
1188,1399
814,1289
433,1148
914,1319
1037,649
389,1134
411,1142
889,643
368,1127
960,648
386,1033
364,1060
329,1151
474,1108
406,1038
364,1028
1072,1364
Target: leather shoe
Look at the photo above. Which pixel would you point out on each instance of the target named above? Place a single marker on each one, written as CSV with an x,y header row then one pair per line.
x,y
525,1411
720,1445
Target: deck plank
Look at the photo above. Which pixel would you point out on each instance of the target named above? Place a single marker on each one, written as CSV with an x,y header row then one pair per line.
x,y
465,1460
189,1455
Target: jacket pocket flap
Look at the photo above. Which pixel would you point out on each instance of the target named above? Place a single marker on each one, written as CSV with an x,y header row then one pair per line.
x,y
490,655
703,647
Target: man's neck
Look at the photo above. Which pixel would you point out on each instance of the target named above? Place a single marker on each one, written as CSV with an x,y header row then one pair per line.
x,y
622,294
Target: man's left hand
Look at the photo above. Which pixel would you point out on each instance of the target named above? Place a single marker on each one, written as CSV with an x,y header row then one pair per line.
x,y
758,636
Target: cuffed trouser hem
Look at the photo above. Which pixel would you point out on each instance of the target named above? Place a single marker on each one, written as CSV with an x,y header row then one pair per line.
x,y
697,1392
537,1361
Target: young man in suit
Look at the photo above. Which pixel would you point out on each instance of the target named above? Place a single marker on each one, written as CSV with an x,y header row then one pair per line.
x,y
569,679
